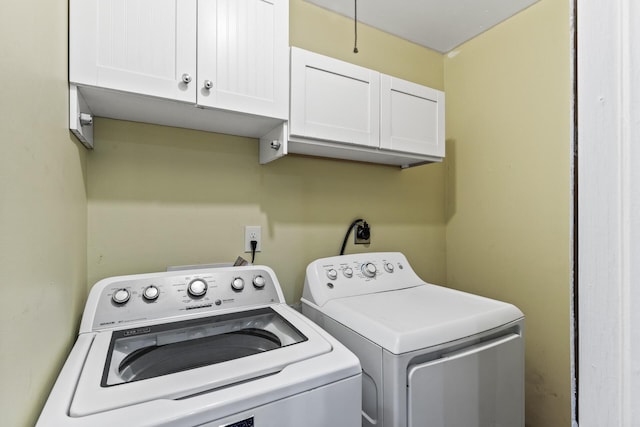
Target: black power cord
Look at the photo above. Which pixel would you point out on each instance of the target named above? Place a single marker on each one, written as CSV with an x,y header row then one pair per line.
x,y
254,245
346,236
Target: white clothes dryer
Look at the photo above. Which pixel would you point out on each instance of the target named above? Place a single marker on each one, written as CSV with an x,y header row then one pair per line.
x,y
431,356
206,347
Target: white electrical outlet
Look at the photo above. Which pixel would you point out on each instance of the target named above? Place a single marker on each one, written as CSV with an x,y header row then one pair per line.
x,y
252,232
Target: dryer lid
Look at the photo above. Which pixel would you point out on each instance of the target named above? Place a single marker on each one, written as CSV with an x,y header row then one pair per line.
x,y
424,316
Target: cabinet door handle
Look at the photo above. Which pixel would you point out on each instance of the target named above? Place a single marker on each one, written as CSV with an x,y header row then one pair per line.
x,y
208,84
186,77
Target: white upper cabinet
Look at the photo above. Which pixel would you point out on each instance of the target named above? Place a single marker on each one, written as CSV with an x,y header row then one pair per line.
x,y
350,112
243,56
129,58
333,100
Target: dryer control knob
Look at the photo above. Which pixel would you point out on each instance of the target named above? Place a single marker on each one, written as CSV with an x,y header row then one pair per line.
x,y
332,274
197,288
151,293
259,282
369,269
237,284
121,296
389,267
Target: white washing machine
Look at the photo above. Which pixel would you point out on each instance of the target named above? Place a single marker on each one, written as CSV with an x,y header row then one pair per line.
x,y
207,347
431,356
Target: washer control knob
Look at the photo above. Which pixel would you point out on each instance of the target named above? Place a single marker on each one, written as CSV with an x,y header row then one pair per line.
x,y
389,267
332,274
121,296
369,269
150,293
348,272
237,284
259,282
197,288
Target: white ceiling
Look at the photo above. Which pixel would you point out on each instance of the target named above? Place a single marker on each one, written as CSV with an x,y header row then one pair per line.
x,y
440,25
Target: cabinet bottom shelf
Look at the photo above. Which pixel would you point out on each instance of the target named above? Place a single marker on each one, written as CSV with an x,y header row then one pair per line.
x,y
146,109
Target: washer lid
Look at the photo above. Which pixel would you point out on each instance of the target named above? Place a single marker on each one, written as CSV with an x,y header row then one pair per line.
x,y
420,317
153,351
182,359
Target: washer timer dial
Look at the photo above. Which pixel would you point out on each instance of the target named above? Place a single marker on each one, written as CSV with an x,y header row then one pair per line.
x,y
197,288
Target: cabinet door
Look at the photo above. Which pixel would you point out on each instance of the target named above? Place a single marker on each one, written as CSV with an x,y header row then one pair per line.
x,y
138,46
333,100
411,117
243,56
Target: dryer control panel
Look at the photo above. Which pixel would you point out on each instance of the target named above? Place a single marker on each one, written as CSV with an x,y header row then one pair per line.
x,y
357,274
119,301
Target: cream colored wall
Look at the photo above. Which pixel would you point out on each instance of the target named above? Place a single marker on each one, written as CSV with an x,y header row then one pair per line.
x,y
42,208
163,196
509,176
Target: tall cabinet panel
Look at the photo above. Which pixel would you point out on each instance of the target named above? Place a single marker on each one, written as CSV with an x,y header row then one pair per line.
x,y
139,46
243,62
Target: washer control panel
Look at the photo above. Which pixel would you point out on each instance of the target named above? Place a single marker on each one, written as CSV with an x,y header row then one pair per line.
x,y
122,300
357,274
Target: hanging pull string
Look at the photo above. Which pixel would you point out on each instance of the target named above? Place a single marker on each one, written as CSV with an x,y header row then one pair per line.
x,y
355,26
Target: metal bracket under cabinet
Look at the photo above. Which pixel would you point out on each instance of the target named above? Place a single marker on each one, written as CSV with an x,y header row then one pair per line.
x,y
80,117
274,144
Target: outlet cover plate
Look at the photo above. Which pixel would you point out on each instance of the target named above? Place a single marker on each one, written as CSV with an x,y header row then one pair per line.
x,y
252,232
